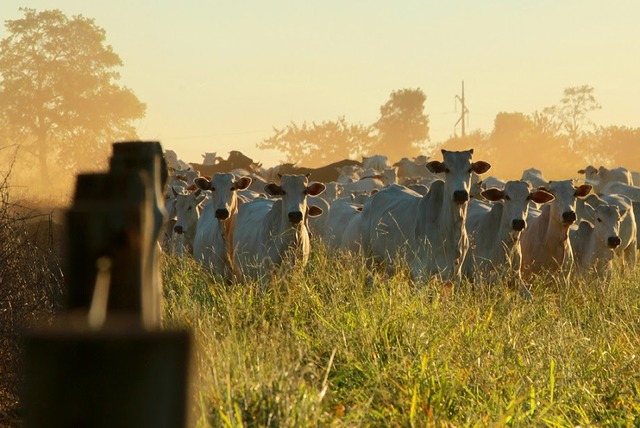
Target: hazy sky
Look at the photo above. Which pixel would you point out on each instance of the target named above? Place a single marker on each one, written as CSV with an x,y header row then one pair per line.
x,y
218,75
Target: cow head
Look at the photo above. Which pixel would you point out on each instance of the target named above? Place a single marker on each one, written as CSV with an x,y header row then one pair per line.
x,y
187,211
516,196
563,208
606,223
294,190
457,168
224,197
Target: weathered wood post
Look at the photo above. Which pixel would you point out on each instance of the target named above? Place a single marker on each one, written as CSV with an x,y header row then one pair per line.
x,y
105,361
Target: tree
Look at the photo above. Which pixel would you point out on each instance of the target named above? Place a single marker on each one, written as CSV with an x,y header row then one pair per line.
x,y
317,144
403,127
58,90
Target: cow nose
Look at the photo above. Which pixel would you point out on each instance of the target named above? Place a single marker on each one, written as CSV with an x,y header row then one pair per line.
x,y
460,196
222,214
518,224
178,230
568,217
613,241
295,216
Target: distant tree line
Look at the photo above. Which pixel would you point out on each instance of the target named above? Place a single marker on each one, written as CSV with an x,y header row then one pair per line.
x,y
402,130
560,139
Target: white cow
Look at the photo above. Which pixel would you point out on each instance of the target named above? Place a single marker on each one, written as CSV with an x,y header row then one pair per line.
x,y
593,243
212,246
318,224
600,177
377,162
352,235
628,233
545,244
187,207
429,230
408,168
268,232
617,188
534,177
340,214
494,233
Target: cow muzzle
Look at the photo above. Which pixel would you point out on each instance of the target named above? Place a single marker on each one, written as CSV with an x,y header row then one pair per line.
x,y
568,217
613,241
460,196
178,230
222,214
295,217
518,225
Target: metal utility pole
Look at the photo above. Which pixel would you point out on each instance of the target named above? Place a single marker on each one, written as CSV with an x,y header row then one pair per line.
x,y
464,112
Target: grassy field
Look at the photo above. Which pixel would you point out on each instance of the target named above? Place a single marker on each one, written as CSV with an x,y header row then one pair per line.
x,y
323,346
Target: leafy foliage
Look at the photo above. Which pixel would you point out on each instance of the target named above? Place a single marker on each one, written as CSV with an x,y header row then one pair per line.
x,y
401,130
403,127
58,92
318,144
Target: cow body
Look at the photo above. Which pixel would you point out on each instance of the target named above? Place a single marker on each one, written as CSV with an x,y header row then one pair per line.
x,y
545,244
494,233
593,243
270,232
214,236
428,230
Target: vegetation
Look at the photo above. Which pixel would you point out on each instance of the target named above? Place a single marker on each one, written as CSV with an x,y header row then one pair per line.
x,y
59,94
402,129
321,347
30,285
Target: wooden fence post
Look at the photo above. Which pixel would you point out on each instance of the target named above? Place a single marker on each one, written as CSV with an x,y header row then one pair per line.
x,y
106,362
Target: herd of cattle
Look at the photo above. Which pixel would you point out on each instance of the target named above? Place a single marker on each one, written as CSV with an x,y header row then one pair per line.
x,y
241,220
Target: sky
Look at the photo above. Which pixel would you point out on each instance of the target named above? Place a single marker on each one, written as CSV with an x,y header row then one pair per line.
x,y
220,75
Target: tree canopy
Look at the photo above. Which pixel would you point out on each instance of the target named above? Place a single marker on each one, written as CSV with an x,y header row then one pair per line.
x,y
59,93
403,127
318,144
401,131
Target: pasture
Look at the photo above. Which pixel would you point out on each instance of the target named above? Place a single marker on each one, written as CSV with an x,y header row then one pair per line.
x,y
323,346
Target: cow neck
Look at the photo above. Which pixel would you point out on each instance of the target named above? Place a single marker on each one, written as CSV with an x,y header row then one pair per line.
x,y
228,224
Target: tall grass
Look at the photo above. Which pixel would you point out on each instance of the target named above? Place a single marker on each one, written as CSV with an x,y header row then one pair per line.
x,y
326,346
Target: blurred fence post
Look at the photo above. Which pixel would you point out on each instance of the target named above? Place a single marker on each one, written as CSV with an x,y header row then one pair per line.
x,y
105,361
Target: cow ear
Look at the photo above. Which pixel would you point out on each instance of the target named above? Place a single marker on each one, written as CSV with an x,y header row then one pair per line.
x,y
202,183
314,211
243,183
192,188
437,167
581,171
541,196
359,209
623,214
443,151
583,190
480,167
315,189
493,194
273,189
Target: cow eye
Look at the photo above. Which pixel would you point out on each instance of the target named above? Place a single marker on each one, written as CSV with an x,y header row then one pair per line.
x,y
599,219
507,198
189,208
233,189
212,189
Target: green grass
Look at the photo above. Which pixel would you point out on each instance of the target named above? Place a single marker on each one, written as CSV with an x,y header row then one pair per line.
x,y
324,346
